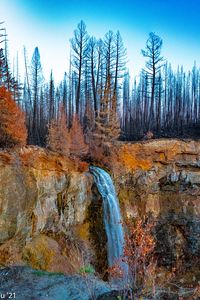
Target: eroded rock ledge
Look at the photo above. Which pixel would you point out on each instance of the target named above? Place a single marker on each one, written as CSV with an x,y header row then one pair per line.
x,y
47,202
43,198
161,179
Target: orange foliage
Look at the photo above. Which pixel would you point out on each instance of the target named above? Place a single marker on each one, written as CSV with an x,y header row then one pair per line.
x,y
139,245
58,135
78,147
138,254
116,271
28,158
83,166
5,158
12,121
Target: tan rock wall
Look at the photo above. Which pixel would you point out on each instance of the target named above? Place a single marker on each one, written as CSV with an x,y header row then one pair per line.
x,y
40,193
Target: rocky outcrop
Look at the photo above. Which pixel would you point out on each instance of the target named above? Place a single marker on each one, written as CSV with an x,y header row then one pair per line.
x,y
148,174
161,179
43,196
24,283
50,208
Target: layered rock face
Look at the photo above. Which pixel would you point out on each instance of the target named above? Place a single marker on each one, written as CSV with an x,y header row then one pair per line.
x,y
50,210
149,174
43,197
161,179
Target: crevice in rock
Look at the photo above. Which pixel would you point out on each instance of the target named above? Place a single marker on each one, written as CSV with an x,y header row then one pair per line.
x,y
97,234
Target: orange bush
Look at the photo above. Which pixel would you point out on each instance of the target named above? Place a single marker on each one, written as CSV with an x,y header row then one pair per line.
x,y
138,251
58,135
12,121
78,147
83,166
138,254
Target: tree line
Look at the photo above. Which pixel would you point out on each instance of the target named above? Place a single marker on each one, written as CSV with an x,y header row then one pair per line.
x,y
97,96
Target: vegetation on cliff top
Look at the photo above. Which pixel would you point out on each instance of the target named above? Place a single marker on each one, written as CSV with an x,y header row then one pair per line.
x,y
98,105
12,121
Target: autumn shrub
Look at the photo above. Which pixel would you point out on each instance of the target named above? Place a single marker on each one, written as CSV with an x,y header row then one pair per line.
x,y
58,139
69,142
144,280
82,166
138,254
78,147
12,121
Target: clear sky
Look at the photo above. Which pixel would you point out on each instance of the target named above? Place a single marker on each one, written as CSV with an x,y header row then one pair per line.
x,y
49,24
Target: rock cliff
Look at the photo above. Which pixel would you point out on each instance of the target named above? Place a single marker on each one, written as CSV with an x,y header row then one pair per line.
x,y
43,198
161,179
47,204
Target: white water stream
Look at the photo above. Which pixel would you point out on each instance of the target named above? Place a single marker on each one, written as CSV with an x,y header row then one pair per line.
x,y
112,217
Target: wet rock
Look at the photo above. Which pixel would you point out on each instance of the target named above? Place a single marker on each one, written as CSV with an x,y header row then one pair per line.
x,y
26,283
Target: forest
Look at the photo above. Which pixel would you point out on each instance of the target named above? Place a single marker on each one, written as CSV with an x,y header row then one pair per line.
x,y
97,99
99,173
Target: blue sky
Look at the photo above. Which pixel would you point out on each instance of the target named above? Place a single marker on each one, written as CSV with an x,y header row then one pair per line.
x,y
49,24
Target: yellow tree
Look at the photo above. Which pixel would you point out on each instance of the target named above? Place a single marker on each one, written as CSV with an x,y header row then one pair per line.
x,y
107,125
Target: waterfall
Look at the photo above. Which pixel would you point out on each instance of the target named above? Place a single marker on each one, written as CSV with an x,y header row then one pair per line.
x,y
111,215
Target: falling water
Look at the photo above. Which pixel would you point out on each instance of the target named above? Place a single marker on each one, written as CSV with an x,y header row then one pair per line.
x,y
111,215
